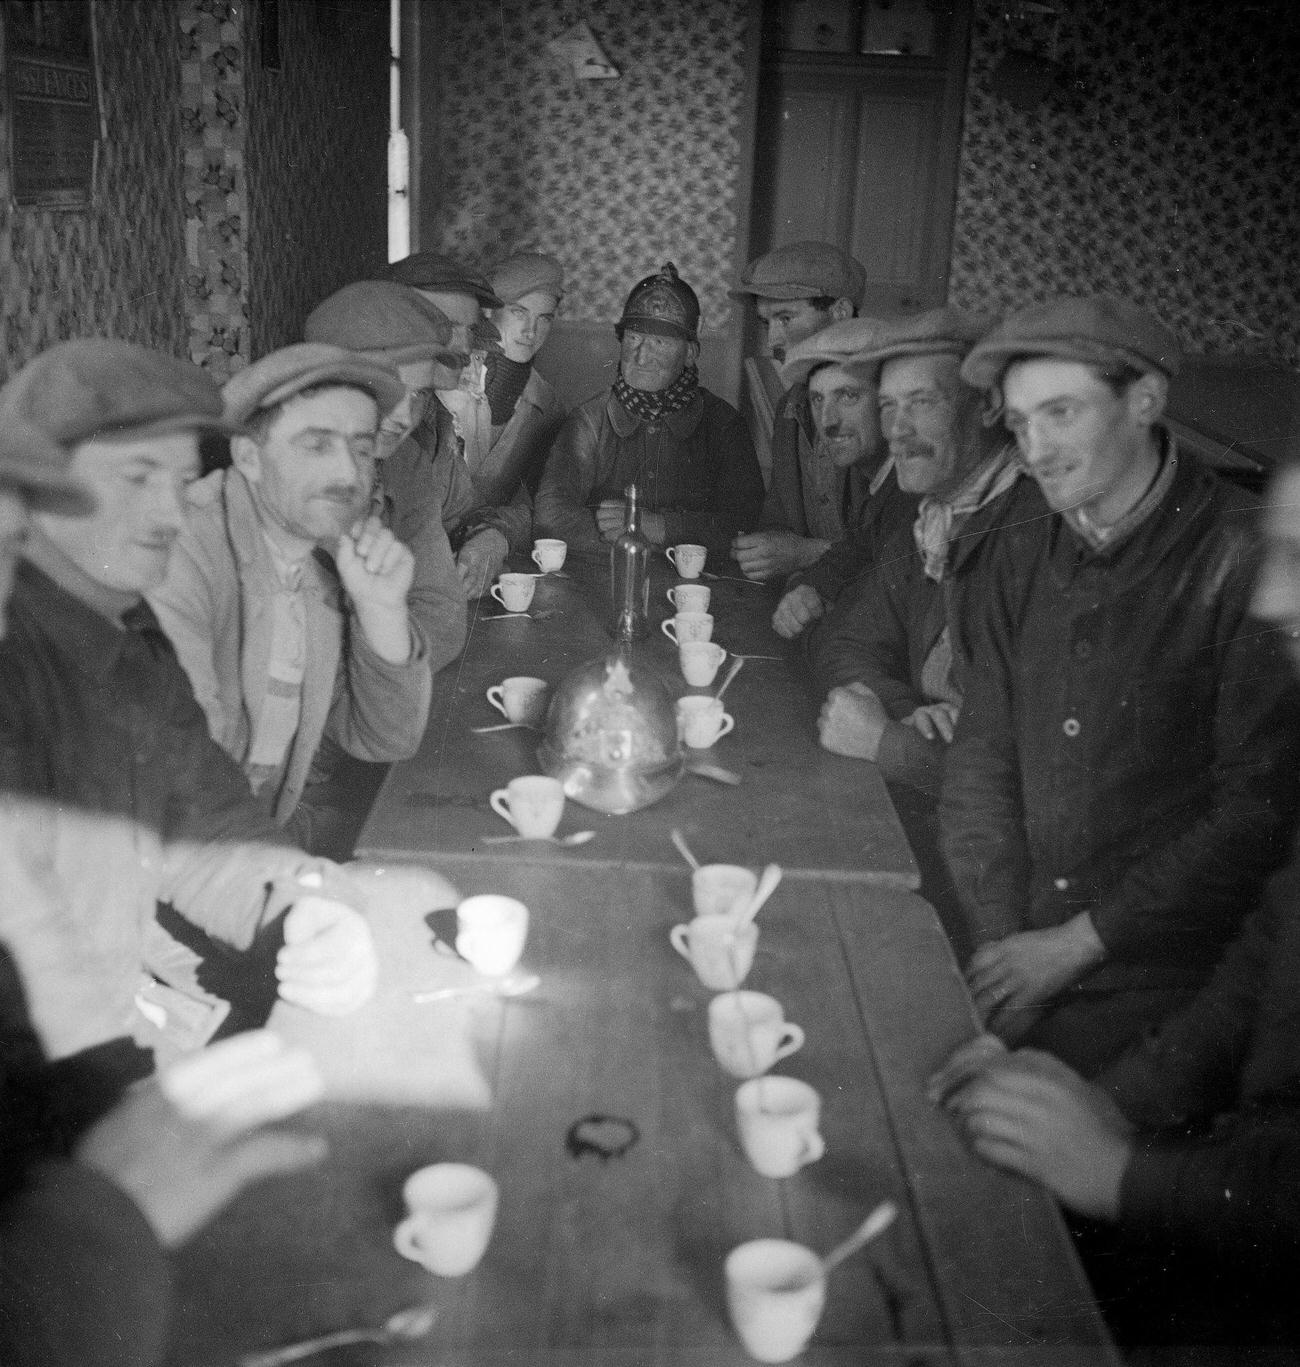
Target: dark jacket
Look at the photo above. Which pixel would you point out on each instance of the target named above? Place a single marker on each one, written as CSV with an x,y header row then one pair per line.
x,y
885,624
1129,738
792,443
874,518
697,467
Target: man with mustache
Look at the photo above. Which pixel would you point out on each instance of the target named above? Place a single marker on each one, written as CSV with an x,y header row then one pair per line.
x,y
798,290
286,597
1122,777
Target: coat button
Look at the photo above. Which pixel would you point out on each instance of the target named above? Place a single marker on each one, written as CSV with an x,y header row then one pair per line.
x,y
1083,650
1061,884
1071,727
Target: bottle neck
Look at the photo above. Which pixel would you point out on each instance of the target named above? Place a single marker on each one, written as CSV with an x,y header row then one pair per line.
x,y
632,514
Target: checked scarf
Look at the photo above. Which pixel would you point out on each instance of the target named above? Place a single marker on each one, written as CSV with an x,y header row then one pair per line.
x,y
652,407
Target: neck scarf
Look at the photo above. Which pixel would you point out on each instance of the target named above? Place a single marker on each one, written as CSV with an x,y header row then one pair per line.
x,y
503,384
937,520
652,407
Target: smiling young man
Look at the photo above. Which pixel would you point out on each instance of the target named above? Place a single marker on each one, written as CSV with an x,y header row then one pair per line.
x,y
286,598
1122,779
687,451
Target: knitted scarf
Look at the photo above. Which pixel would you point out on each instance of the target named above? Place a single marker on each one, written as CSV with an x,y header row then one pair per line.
x,y
934,526
503,384
652,407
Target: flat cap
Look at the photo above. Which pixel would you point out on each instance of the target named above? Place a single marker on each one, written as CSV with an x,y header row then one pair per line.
x,y
384,320
433,271
282,374
106,389
803,270
1101,331
37,466
525,272
936,332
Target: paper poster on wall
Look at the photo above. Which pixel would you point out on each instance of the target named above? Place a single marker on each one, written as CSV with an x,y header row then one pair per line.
x,y
53,101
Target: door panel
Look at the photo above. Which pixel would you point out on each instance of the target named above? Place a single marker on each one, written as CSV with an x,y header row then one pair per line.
x,y
813,179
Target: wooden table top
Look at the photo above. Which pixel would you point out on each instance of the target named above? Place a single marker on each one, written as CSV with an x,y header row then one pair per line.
x,y
610,1263
816,814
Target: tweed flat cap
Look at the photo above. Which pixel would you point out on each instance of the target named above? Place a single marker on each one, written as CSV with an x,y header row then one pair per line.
x,y
842,343
1101,331
936,332
803,270
282,374
433,271
385,321
37,466
526,272
106,389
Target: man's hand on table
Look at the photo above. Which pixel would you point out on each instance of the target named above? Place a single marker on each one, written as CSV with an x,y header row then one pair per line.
x,y
802,605
1023,970
852,722
479,561
775,554
328,962
935,721
182,1144
1029,1113
611,518
376,571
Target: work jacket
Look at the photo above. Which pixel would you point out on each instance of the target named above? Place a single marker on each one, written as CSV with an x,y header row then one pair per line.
x,y
216,607
1129,739
696,467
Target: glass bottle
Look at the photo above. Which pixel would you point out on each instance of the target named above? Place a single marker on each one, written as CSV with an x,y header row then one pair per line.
x,y
629,575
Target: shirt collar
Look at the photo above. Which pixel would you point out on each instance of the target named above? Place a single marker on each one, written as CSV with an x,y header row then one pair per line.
x,y
1105,540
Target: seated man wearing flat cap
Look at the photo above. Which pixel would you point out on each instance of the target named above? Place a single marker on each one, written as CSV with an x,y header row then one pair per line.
x,y
687,451
856,472
798,290
115,795
1122,778
422,469
285,599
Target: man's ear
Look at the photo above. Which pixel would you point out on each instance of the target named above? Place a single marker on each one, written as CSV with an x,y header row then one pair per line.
x,y
246,457
1148,397
842,309
692,353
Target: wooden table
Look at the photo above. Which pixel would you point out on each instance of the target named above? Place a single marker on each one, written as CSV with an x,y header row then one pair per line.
x,y
601,1264
814,813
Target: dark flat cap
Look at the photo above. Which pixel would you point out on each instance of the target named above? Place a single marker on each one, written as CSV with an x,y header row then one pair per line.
x,y
803,270
37,467
433,271
284,373
99,387
384,320
1102,331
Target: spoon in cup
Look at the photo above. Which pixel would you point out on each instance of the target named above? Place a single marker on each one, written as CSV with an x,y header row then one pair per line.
x,y
875,1224
679,840
766,887
737,665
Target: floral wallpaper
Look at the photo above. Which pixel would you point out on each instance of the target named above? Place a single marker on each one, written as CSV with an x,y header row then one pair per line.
x,y
612,177
117,269
1167,169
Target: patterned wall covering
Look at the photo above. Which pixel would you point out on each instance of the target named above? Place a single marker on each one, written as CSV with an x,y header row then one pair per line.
x,y
317,159
211,44
117,269
1170,173
612,177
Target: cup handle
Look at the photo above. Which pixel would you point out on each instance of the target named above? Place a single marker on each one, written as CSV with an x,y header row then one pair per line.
x,y
792,1038
495,591
496,697
813,1147
728,725
669,595
670,556
500,804
404,1240
537,558
678,938
669,629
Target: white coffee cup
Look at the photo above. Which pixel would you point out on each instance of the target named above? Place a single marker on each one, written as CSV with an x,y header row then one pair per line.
x,y
701,661
687,626
702,721
532,804
777,1118
720,951
775,1293
520,698
748,1033
549,553
452,1208
687,559
690,597
722,889
490,932
515,591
